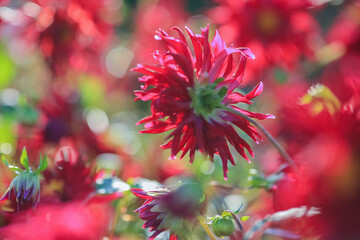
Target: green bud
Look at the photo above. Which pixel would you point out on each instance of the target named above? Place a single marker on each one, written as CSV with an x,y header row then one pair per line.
x,y
223,225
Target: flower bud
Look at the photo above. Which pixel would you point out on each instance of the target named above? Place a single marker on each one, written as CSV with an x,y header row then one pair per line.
x,y
223,225
25,188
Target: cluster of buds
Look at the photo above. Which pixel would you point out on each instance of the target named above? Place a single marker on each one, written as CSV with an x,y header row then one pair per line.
x,y
25,187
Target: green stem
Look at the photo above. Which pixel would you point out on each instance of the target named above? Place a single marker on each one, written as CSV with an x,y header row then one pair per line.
x,y
276,144
206,227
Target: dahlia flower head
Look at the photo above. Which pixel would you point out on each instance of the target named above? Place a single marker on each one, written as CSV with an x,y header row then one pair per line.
x,y
192,94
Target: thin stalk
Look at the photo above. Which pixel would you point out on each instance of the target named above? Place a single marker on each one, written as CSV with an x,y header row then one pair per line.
x,y
274,142
237,222
206,227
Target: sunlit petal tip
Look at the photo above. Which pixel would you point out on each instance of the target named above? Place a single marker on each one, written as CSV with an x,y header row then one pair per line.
x,y
248,53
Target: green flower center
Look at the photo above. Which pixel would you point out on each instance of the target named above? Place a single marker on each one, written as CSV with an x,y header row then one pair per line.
x,y
206,99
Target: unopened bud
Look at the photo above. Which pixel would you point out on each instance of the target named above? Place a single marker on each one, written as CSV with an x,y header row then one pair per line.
x,y
223,225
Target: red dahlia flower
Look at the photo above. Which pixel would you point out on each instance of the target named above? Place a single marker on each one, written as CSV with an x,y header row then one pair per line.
x,y
189,94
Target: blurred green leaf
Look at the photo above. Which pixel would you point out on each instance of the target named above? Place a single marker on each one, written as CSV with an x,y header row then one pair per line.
x,y
26,113
280,76
7,129
7,69
92,91
202,199
244,218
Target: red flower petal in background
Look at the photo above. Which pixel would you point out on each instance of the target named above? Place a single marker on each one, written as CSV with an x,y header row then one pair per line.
x,y
152,15
278,31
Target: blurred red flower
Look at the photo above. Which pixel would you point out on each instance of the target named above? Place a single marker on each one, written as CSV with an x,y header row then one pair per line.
x,y
323,137
278,31
346,28
188,95
70,33
70,178
74,220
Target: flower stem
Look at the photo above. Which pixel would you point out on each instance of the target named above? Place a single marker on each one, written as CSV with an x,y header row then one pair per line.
x,y
206,227
237,221
276,144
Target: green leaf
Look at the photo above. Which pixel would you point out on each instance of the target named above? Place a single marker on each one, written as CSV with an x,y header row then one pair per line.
x,y
226,213
244,218
202,199
43,164
11,167
24,159
237,211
